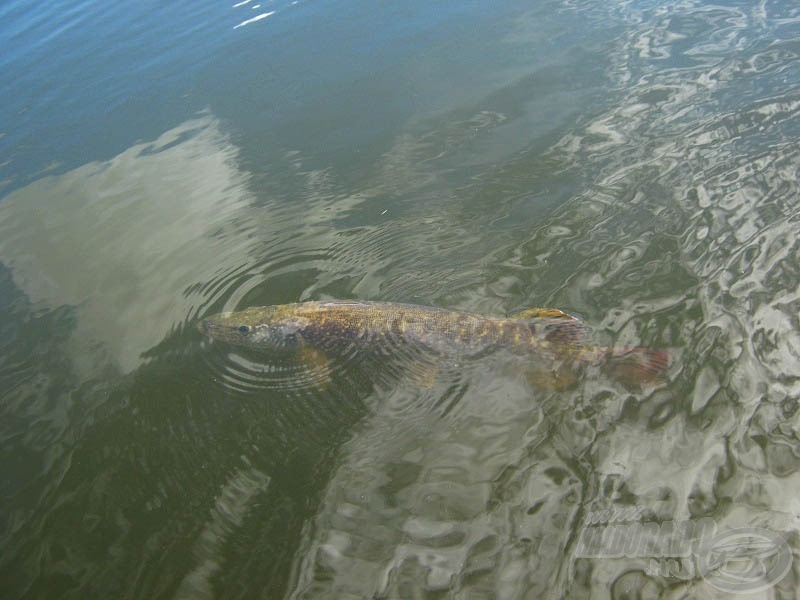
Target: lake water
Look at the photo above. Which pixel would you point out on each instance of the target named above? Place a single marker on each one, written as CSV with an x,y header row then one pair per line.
x,y
632,162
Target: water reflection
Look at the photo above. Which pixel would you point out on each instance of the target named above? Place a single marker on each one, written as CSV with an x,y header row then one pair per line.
x,y
420,500
686,236
113,424
664,214
126,242
707,171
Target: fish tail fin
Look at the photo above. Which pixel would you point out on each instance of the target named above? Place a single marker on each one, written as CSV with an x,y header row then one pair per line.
x,y
635,365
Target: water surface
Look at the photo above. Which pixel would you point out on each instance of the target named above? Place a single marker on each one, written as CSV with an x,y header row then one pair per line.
x,y
633,163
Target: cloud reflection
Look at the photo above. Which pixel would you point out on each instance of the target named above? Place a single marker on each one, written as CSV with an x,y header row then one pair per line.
x,y
127,240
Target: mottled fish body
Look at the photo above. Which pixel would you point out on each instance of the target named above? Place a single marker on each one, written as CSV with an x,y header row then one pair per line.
x,y
333,327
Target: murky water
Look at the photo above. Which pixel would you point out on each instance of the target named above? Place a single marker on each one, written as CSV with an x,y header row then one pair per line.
x,y
633,163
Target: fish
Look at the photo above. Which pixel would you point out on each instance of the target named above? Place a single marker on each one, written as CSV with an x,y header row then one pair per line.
x,y
551,341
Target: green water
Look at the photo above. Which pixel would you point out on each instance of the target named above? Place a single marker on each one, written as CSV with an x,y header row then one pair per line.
x,y
632,163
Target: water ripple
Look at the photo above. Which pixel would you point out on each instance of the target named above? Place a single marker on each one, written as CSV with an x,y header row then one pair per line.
x,y
662,210
686,237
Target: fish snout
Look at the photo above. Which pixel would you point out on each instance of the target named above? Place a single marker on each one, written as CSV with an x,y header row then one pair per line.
x,y
205,326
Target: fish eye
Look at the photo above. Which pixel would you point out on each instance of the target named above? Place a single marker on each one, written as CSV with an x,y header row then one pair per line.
x,y
244,329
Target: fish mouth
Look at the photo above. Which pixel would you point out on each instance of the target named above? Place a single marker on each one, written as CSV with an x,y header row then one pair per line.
x,y
211,323
203,326
215,330
208,327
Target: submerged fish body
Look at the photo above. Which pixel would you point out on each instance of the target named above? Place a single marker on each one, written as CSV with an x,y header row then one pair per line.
x,y
336,324
335,327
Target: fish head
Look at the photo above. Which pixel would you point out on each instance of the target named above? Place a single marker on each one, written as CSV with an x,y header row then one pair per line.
x,y
259,328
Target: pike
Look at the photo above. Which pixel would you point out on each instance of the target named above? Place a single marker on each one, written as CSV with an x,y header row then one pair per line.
x,y
553,340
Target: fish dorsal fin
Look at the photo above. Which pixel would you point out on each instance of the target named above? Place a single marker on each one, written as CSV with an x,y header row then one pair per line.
x,y
540,313
553,325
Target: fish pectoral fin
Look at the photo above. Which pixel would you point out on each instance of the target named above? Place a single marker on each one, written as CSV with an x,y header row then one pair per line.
x,y
316,364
